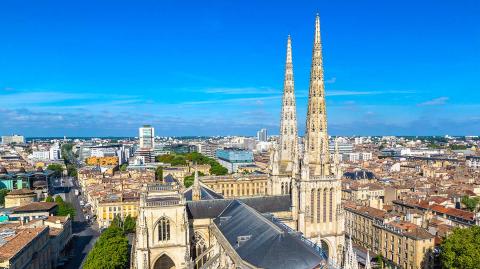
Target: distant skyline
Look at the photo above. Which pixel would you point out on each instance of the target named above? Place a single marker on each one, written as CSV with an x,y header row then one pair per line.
x,y
105,68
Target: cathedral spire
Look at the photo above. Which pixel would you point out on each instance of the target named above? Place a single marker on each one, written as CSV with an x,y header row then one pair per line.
x,y
350,261
367,261
288,124
316,136
196,190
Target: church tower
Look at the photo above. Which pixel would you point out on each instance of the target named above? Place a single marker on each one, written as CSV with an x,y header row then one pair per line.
x,y
285,156
316,136
320,214
196,189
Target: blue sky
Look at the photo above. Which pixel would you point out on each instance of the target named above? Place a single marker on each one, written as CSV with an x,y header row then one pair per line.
x,y
100,68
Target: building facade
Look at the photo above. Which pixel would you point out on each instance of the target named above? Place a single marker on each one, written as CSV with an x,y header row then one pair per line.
x,y
185,228
10,139
146,134
232,159
402,244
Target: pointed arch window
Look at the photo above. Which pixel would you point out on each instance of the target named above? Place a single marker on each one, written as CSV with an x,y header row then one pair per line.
x,y
198,249
325,205
331,205
319,191
163,229
312,205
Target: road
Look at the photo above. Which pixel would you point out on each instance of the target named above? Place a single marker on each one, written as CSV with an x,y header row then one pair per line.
x,y
84,234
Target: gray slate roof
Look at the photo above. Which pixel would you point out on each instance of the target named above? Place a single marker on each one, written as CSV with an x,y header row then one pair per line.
x,y
266,244
205,194
212,208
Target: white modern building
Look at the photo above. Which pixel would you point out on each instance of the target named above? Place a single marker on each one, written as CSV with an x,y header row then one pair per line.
x,y
41,155
473,162
262,135
55,152
146,134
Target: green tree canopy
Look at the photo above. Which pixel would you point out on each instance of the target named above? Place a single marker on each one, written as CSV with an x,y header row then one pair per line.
x,y
64,208
56,168
188,180
471,202
71,170
110,251
3,193
218,169
194,157
123,167
49,199
458,147
461,249
159,173
129,224
59,200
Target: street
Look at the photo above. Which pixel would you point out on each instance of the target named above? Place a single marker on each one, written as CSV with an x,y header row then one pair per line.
x,y
84,234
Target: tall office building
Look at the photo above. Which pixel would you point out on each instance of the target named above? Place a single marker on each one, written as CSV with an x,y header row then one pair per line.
x,y
262,135
146,135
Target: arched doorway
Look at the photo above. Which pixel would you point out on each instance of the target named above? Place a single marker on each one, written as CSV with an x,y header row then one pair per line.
x,y
164,262
325,248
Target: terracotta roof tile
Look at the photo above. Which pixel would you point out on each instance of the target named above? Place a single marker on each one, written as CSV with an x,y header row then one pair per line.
x,y
18,241
35,206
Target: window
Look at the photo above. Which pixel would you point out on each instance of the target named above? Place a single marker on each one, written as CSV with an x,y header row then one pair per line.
x,y
199,249
325,205
163,229
318,205
312,205
331,205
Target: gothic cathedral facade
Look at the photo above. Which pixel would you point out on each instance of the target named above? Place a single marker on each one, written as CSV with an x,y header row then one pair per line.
x,y
311,176
176,226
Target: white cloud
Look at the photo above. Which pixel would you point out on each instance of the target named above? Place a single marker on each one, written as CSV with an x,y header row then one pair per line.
x,y
435,102
242,90
331,80
346,93
255,100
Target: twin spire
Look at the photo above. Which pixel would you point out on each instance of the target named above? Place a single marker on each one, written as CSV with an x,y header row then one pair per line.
x,y
316,136
288,124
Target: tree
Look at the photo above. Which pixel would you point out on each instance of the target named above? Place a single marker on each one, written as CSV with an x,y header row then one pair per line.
x,y
71,170
117,222
59,200
471,203
188,180
458,147
64,208
461,249
194,157
3,193
218,169
159,173
379,259
56,168
129,225
110,251
49,199
123,167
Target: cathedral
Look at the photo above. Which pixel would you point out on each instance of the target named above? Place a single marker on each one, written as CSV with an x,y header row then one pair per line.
x,y
299,223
